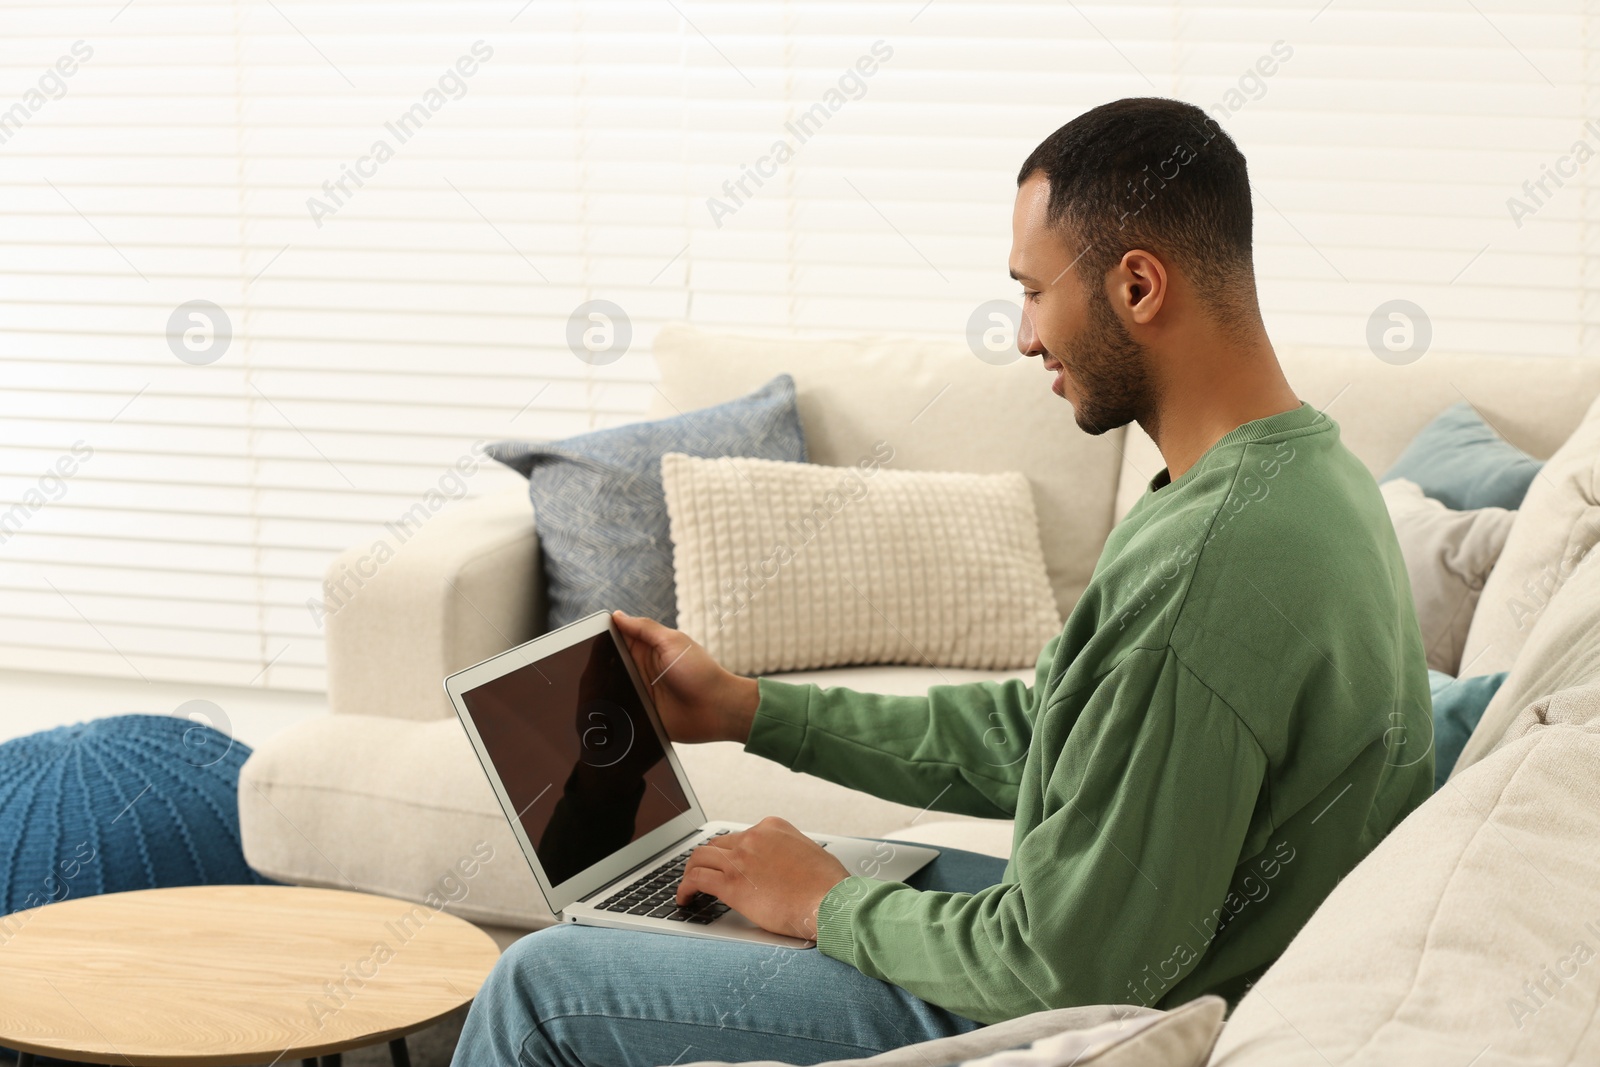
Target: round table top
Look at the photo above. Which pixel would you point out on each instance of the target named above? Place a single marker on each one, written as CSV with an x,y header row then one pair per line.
x,y
230,974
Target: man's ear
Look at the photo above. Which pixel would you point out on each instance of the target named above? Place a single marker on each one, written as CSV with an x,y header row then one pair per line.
x,y
1139,286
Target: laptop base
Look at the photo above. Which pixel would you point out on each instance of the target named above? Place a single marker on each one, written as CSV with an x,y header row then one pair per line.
x,y
883,860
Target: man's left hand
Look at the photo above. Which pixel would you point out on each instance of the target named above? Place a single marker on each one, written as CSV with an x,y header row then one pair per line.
x,y
772,874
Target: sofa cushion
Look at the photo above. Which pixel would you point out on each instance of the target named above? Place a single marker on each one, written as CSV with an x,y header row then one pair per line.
x,y
899,681
987,837
783,566
1562,650
1448,555
940,407
1459,460
1109,1035
1013,1033
1183,1037
1557,525
1435,948
598,504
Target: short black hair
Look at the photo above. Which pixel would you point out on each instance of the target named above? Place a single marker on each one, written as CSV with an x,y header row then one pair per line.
x,y
1158,174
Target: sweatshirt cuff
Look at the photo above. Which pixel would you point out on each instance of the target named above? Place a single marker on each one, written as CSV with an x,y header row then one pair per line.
x,y
780,721
836,914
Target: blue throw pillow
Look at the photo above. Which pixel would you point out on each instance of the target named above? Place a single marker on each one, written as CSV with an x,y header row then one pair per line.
x,y
1460,461
600,508
1458,704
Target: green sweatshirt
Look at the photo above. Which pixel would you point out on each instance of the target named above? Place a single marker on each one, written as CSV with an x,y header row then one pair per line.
x,y
1235,713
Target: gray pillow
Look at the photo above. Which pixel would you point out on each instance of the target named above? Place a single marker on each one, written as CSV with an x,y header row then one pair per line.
x,y
599,506
1448,555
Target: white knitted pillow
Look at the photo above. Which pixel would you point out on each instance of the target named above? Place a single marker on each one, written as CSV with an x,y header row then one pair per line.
x,y
792,566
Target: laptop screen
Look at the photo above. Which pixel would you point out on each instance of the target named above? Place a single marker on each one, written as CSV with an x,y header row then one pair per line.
x,y
577,755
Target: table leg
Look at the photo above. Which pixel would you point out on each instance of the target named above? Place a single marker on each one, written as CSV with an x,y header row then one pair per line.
x,y
399,1055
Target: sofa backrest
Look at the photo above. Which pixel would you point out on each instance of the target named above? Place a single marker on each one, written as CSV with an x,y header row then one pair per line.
x,y
941,408
936,404
1539,614
1535,402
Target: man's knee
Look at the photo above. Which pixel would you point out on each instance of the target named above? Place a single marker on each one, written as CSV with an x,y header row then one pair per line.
x,y
517,997
539,962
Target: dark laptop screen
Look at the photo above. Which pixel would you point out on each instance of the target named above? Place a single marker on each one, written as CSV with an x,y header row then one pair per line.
x,y
577,755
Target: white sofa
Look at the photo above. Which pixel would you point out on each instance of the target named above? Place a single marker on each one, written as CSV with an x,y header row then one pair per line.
x,y
386,795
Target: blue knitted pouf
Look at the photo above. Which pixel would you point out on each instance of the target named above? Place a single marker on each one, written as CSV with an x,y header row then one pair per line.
x,y
129,802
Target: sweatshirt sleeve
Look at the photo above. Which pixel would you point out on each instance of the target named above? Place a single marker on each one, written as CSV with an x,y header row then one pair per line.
x,y
1106,901
958,749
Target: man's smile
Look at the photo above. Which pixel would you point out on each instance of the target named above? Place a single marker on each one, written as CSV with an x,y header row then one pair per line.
x,y
1056,367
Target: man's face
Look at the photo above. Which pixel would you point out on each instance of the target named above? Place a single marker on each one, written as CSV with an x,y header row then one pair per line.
x,y
1068,321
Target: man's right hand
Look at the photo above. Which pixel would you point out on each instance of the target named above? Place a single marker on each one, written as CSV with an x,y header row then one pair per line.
x,y
698,700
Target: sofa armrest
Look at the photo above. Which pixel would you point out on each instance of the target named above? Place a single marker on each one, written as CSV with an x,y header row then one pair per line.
x,y
427,599
335,801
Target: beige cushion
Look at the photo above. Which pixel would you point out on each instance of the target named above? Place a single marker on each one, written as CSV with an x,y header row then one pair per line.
x,y
1110,1035
1557,525
1182,1037
897,680
1534,402
1562,652
1422,955
987,837
939,406
793,566
1448,556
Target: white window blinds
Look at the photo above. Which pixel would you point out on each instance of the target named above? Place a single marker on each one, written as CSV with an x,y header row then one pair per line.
x,y
268,269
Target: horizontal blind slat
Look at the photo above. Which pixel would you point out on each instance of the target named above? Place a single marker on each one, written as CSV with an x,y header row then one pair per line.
x,y
381,326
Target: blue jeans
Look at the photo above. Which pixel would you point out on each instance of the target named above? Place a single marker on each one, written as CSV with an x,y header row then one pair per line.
x,y
572,995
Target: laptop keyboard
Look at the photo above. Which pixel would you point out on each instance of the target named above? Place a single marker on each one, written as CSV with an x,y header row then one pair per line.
x,y
654,894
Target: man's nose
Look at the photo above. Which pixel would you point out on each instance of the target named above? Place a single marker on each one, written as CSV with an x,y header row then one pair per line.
x,y
1027,339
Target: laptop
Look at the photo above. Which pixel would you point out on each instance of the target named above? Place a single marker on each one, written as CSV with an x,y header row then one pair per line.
x,y
572,744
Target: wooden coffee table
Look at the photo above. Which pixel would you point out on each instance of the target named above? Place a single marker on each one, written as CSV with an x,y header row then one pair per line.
x,y
216,975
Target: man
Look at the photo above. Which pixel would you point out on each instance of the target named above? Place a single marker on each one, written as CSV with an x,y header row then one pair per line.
x,y
1235,713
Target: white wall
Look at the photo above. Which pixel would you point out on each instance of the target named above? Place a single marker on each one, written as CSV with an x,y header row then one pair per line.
x,y
378,331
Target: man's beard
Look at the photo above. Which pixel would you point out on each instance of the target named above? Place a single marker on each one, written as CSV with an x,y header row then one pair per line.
x,y
1111,371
